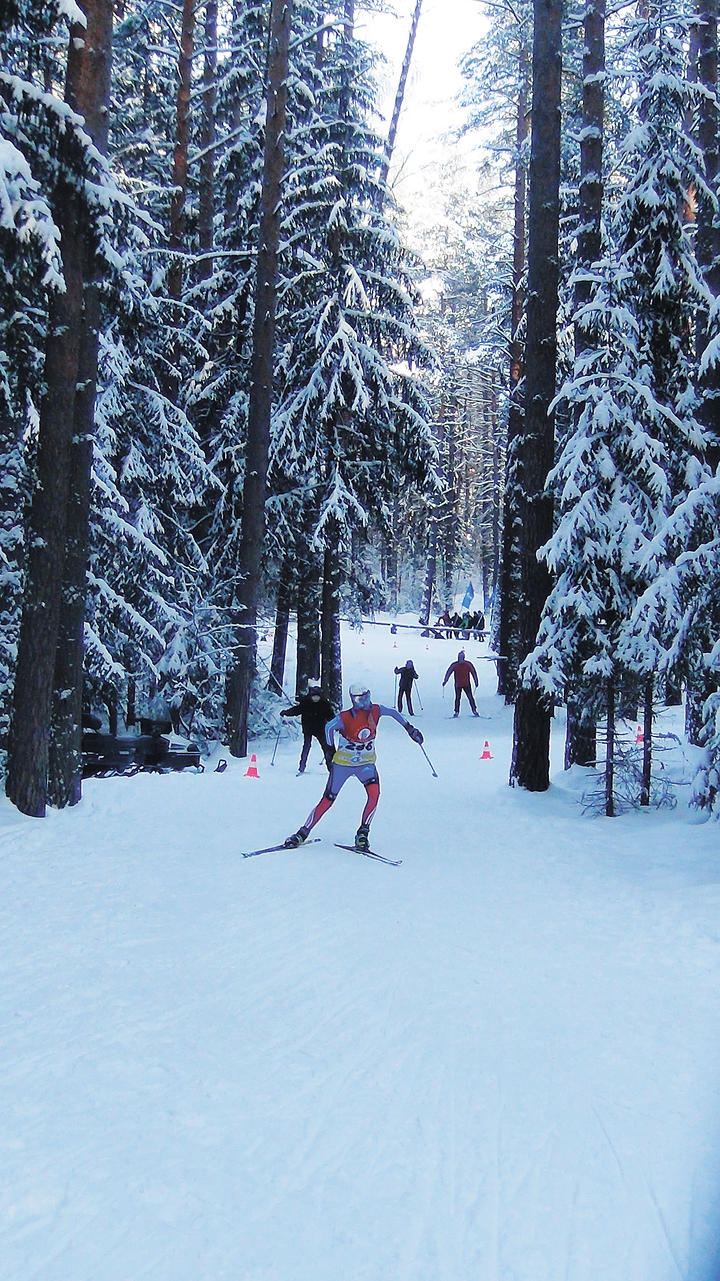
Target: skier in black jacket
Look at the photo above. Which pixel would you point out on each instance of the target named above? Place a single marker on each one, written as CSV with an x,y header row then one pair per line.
x,y
407,675
314,712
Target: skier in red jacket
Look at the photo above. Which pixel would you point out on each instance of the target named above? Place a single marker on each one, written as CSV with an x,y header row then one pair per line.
x,y
354,757
462,671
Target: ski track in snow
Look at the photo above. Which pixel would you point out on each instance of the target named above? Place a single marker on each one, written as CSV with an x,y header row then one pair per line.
x,y
498,1062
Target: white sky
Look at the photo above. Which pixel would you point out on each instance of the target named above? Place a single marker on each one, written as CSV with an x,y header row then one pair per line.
x,y
447,29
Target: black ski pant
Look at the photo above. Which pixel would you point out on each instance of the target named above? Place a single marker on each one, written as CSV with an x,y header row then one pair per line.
x,y
307,743
405,693
464,689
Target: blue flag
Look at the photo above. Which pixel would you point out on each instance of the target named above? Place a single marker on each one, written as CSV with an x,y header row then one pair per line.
x,y
468,596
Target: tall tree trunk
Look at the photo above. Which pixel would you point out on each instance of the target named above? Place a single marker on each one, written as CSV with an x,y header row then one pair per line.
x,y
610,752
282,620
647,742
331,652
530,765
708,227
261,382
307,667
89,67
27,777
430,568
180,153
433,528
206,193
391,558
580,733
508,604
580,744
399,97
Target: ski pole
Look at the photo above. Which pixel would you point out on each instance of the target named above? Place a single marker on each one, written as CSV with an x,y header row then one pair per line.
x,y
417,691
427,758
277,740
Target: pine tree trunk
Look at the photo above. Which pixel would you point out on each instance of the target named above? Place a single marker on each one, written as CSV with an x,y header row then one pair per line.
x,y
647,743
27,778
112,711
430,566
708,229
206,193
261,382
673,690
580,740
530,766
496,506
307,667
437,501
89,67
331,652
26,784
610,752
65,750
508,604
131,705
282,621
580,735
180,154
699,687
399,97
448,515
391,560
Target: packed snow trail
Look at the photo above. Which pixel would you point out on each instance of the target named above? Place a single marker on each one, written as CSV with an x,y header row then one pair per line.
x,y
498,1062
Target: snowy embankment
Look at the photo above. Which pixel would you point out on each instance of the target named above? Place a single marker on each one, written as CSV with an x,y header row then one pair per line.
x,y
498,1062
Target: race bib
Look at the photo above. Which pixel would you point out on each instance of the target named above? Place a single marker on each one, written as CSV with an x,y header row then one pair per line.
x,y
355,753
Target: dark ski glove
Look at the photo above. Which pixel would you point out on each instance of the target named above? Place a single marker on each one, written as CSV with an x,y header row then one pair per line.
x,y
415,734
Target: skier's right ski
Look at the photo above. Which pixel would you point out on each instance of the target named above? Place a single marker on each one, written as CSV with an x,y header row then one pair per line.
x,y
268,849
355,849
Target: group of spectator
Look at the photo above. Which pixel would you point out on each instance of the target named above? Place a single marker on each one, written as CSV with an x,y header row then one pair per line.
x,y
459,626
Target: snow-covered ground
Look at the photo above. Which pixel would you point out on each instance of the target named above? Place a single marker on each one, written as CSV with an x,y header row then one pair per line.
x,y
497,1062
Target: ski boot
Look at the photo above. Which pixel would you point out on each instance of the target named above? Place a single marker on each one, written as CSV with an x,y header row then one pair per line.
x,y
297,838
362,837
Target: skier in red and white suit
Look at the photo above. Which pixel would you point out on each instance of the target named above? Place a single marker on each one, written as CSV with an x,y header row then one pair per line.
x,y
354,757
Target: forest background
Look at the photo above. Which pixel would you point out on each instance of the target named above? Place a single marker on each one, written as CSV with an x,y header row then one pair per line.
x,y
229,392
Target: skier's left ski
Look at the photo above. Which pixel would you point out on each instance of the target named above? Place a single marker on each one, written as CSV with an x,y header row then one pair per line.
x,y
269,849
355,849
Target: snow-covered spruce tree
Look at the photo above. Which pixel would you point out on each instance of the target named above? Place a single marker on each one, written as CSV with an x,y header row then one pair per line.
x,y
351,426
608,474
658,248
149,580
635,450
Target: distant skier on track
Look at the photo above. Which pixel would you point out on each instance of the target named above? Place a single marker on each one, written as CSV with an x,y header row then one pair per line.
x,y
462,671
354,757
407,675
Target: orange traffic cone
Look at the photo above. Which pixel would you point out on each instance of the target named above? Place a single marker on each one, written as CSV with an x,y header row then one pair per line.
x,y
639,737
486,753
252,769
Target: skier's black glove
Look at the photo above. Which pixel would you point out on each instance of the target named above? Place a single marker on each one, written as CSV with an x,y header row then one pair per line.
x,y
415,734
285,711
